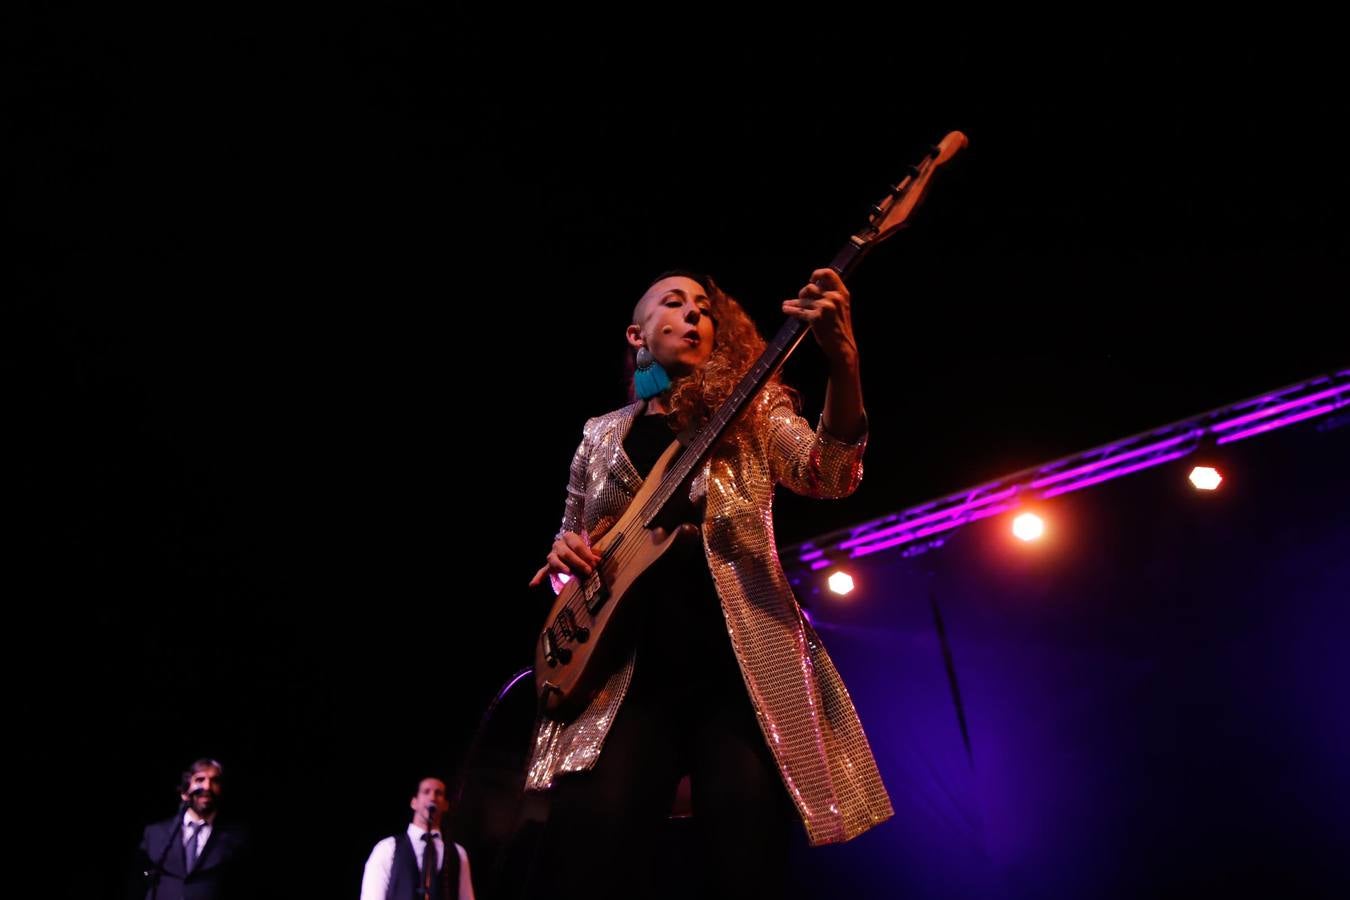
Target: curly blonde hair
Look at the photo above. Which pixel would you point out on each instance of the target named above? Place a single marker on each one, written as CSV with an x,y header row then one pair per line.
x,y
737,343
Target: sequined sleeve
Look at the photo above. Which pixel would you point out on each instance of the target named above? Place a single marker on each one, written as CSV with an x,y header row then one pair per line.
x,y
575,506
576,488
807,461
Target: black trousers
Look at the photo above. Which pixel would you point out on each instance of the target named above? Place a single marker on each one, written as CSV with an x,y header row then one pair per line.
x,y
609,833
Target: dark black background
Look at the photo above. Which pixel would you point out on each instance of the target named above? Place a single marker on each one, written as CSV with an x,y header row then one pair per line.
x,y
310,308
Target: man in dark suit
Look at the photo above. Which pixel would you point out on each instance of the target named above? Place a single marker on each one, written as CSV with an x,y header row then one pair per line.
x,y
196,854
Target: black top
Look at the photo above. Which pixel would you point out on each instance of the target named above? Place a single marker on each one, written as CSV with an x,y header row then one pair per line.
x,y
683,650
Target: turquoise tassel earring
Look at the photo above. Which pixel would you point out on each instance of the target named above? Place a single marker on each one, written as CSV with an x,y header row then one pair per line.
x,y
649,379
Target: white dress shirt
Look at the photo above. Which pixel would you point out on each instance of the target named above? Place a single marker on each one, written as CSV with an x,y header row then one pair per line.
x,y
375,882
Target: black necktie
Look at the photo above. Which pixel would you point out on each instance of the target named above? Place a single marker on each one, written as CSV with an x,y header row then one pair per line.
x,y
428,864
190,846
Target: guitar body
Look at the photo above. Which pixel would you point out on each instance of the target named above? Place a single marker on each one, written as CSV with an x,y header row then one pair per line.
x,y
583,636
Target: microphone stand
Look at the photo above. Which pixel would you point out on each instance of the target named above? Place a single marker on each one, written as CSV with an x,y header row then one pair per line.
x,y
157,867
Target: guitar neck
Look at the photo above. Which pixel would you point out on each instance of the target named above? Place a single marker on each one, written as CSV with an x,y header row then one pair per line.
x,y
888,215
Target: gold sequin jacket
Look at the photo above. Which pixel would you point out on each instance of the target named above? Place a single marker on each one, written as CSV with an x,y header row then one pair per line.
x,y
799,699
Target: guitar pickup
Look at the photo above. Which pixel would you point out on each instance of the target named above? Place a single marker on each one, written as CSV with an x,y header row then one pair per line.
x,y
594,593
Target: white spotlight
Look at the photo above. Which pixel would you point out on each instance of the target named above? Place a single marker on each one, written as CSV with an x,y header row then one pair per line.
x,y
1205,478
841,583
1028,526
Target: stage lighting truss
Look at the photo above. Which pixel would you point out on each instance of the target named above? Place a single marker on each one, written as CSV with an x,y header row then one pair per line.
x,y
924,526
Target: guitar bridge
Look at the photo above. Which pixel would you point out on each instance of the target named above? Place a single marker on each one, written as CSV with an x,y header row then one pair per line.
x,y
553,654
571,631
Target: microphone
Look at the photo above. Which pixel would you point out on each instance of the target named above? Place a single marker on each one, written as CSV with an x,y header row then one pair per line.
x,y
197,791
